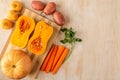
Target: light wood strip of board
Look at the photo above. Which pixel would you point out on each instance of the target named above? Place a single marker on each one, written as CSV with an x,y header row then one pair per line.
x,y
36,59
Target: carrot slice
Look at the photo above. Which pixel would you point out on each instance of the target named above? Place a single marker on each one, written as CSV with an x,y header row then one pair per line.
x,y
58,54
42,68
64,54
49,65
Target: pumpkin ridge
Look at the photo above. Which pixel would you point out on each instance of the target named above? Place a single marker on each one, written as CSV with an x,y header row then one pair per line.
x,y
20,60
8,72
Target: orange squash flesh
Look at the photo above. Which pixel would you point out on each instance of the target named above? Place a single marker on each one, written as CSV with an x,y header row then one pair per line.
x,y
38,42
24,27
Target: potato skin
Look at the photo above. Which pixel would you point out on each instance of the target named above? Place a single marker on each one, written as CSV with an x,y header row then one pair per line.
x,y
38,5
50,8
59,18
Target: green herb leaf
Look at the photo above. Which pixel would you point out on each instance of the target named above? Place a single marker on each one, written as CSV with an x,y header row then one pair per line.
x,y
64,29
78,40
64,41
69,38
72,34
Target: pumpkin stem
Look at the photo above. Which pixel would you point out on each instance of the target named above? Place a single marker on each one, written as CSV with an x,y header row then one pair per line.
x,y
13,66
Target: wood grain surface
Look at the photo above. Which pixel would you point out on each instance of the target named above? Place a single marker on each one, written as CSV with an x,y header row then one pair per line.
x,y
97,22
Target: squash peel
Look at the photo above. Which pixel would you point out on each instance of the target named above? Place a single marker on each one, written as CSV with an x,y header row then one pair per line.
x,y
38,42
24,27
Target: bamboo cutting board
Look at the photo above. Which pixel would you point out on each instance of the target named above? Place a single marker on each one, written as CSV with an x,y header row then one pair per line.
x,y
36,59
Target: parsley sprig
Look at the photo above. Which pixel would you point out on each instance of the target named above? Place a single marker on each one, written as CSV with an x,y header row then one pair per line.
x,y
69,38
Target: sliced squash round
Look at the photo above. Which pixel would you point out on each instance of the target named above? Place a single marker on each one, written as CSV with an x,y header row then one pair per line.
x,y
38,42
24,27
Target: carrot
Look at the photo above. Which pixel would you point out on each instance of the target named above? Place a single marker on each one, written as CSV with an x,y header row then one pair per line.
x,y
42,68
64,54
49,65
58,54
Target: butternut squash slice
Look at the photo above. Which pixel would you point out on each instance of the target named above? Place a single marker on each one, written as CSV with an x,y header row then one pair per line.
x,y
38,42
24,27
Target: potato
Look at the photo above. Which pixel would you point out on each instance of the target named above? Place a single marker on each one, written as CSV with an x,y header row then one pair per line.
x,y
38,5
50,8
59,18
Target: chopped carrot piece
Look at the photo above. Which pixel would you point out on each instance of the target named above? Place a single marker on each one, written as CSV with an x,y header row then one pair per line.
x,y
60,61
46,60
58,54
50,63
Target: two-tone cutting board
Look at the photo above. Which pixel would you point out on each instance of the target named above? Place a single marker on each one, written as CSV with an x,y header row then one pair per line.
x,y
36,59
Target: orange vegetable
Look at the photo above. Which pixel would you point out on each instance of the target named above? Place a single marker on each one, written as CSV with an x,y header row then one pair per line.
x,y
42,68
38,42
24,27
50,63
6,24
16,5
58,54
60,61
16,64
13,15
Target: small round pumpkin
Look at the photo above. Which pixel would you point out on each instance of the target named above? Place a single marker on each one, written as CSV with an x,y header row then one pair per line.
x,y
16,5
16,64
6,24
12,15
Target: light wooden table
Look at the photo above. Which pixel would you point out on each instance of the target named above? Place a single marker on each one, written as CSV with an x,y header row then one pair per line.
x,y
97,22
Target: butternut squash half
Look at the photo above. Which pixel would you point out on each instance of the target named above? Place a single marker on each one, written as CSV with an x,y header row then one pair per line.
x,y
38,42
24,27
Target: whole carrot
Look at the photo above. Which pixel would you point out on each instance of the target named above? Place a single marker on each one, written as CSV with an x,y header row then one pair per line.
x,y
49,65
58,54
60,61
42,68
